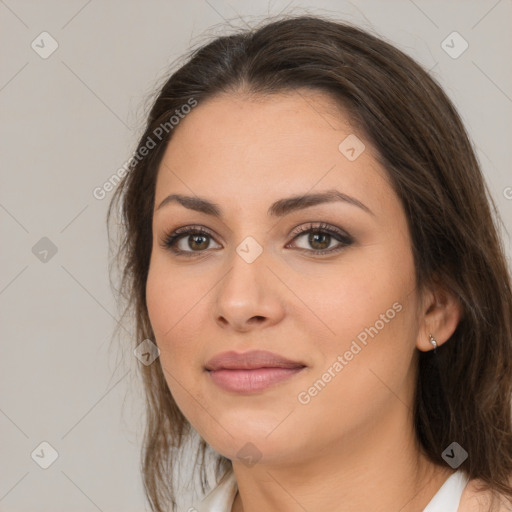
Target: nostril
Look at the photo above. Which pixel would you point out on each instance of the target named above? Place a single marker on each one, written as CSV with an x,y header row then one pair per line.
x,y
257,319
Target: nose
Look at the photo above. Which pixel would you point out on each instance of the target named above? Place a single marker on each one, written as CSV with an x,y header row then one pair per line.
x,y
248,296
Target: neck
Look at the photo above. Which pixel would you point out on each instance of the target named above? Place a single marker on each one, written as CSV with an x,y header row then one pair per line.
x,y
378,469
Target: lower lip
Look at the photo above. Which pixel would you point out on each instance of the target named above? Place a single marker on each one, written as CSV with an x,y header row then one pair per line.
x,y
247,381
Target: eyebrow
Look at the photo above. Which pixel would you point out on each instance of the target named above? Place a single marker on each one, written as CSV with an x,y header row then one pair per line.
x,y
279,208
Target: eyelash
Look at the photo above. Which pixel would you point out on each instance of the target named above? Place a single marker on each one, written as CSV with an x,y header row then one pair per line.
x,y
169,241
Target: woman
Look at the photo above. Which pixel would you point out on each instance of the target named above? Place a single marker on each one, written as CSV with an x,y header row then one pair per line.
x,y
309,242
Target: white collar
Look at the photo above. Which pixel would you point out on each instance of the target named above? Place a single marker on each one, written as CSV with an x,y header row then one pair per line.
x,y
447,498
221,497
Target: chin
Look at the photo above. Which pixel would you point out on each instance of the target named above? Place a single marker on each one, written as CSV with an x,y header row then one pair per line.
x,y
251,444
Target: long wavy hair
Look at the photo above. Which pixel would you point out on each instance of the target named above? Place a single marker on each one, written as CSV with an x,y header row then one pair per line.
x,y
463,394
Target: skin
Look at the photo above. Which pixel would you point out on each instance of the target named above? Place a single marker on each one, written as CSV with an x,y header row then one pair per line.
x,y
353,446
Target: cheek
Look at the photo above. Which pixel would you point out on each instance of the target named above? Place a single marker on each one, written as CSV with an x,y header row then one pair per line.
x,y
174,307
177,303
368,304
365,370
361,292
160,299
170,297
167,302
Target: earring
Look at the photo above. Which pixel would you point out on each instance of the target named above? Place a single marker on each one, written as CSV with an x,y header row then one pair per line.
x,y
433,341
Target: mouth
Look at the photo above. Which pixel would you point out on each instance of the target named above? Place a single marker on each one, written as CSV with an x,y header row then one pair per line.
x,y
251,371
248,381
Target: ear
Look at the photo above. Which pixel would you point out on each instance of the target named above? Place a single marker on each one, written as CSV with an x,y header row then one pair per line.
x,y
440,314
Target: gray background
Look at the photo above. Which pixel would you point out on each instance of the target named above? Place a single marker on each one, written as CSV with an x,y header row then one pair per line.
x,y
68,122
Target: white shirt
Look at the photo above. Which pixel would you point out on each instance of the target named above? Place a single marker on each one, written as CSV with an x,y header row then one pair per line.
x,y
221,497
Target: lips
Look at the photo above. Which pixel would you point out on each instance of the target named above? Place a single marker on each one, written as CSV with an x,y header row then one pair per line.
x,y
252,371
250,361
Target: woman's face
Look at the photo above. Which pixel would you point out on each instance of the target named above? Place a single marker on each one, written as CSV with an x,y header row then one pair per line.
x,y
349,316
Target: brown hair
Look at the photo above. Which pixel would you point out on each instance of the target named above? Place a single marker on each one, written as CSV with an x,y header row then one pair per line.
x,y
465,394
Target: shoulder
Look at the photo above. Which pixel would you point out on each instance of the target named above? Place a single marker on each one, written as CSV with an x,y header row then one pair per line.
x,y
476,499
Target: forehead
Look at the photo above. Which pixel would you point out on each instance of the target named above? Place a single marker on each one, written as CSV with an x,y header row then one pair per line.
x,y
261,146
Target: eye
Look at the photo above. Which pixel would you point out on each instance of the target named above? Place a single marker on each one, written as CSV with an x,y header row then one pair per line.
x,y
320,238
194,240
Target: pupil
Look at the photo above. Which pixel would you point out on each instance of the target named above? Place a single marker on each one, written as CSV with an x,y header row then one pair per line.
x,y
195,237
313,241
